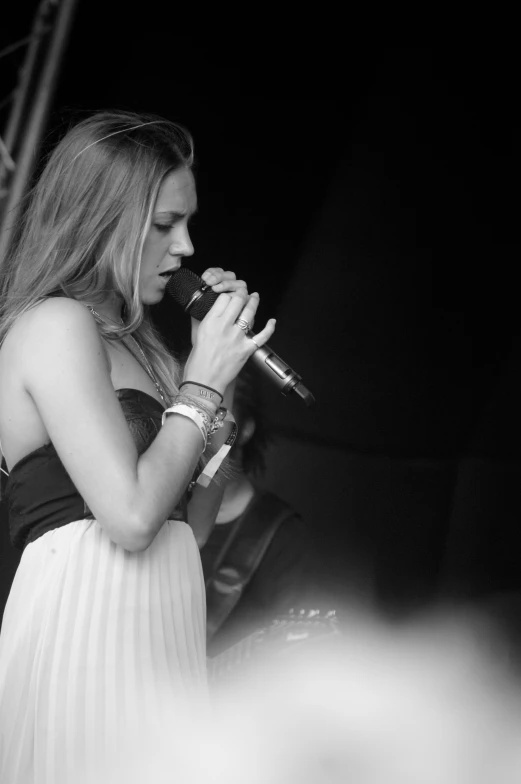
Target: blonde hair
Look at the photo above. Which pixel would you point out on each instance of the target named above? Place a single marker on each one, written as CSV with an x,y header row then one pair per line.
x,y
82,232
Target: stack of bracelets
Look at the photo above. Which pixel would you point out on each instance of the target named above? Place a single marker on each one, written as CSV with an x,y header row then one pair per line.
x,y
202,405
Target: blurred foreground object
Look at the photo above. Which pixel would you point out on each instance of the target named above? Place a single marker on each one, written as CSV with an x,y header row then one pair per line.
x,y
424,703
278,639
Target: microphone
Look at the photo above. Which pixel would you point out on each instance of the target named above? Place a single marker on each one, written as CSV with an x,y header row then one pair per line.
x,y
196,298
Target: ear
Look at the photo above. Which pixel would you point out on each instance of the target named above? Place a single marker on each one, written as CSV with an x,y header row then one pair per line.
x,y
246,431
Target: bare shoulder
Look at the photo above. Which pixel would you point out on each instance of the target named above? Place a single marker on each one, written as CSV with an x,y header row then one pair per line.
x,y
52,328
55,314
50,361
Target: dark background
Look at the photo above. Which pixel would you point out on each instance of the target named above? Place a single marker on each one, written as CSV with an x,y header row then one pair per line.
x,y
370,194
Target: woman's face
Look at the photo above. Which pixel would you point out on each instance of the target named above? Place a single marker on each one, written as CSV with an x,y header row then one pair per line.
x,y
168,240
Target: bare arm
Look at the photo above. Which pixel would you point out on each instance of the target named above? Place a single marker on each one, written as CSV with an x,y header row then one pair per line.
x,y
65,372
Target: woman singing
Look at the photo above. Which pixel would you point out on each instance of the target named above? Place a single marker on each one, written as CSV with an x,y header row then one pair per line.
x,y
105,622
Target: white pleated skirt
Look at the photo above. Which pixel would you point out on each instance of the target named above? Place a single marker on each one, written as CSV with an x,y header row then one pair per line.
x,y
96,642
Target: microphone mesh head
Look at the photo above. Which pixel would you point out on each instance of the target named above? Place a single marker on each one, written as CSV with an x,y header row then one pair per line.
x,y
183,285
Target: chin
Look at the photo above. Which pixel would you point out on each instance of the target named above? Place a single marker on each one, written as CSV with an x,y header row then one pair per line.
x,y
152,298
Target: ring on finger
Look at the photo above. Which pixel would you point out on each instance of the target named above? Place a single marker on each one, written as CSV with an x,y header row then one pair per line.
x,y
243,324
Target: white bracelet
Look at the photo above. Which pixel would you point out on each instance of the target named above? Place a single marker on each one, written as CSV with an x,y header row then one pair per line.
x,y
190,413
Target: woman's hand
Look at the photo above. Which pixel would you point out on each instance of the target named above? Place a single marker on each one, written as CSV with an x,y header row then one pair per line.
x,y
221,346
220,281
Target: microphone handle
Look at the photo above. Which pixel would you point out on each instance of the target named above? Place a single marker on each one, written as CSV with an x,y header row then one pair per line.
x,y
285,378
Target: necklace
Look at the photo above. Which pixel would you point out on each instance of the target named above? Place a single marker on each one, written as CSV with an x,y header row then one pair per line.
x,y
145,364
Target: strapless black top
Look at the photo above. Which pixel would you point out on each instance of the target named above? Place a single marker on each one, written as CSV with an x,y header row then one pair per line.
x,y
40,493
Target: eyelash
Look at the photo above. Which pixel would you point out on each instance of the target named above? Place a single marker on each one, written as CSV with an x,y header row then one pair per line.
x,y
164,228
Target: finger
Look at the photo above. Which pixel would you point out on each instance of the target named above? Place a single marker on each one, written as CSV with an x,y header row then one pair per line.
x,y
228,275
241,305
250,308
264,335
194,330
220,305
228,305
230,285
214,275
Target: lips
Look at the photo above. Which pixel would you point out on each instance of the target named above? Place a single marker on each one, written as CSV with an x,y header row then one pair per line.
x,y
167,274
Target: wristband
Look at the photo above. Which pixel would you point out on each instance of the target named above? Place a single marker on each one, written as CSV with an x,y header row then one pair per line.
x,y
210,469
190,413
201,390
207,413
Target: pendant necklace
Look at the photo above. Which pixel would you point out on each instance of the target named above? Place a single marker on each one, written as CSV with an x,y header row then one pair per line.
x,y
145,364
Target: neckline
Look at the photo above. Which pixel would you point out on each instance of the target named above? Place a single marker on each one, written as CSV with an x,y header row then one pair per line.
x,y
141,392
49,444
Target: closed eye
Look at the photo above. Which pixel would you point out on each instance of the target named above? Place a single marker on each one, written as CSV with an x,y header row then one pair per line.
x,y
166,227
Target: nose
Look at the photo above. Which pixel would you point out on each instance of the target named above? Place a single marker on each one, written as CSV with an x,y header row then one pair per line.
x,y
182,245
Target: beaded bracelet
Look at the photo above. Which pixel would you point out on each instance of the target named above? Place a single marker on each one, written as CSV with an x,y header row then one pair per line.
x,y
202,390
218,420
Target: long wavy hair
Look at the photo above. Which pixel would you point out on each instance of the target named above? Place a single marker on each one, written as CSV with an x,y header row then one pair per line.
x,y
84,224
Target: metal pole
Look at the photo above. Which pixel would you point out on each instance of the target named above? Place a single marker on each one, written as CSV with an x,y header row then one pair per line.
x,y
27,74
37,119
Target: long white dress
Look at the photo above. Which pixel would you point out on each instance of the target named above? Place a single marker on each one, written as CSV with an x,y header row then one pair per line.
x,y
96,642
